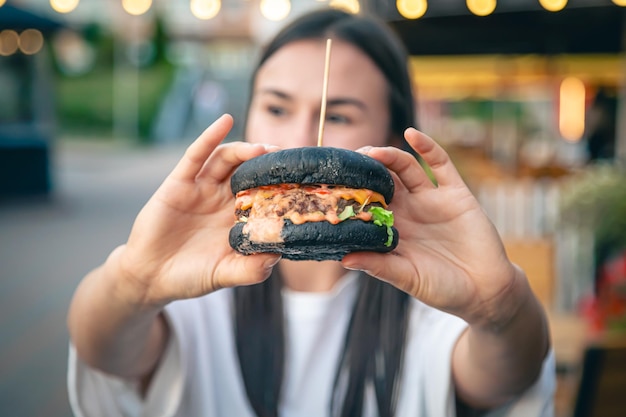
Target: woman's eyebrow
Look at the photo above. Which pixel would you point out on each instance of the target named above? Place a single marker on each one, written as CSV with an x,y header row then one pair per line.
x,y
342,101
274,92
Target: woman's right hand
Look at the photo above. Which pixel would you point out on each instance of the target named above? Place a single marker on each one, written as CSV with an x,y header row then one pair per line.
x,y
178,247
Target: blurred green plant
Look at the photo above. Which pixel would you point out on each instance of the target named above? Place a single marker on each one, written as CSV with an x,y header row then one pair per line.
x,y
595,200
85,102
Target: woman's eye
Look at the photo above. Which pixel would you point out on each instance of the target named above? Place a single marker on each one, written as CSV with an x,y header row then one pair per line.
x,y
276,110
337,118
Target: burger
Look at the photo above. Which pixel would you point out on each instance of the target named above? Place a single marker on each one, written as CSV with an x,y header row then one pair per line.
x,y
312,203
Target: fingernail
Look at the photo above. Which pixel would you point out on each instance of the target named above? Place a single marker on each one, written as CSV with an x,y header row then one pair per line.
x,y
269,263
270,148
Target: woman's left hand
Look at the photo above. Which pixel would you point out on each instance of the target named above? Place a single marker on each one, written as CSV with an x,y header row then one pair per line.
x,y
450,255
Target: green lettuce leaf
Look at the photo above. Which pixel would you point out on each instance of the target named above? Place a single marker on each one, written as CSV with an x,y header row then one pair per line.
x,y
347,213
382,217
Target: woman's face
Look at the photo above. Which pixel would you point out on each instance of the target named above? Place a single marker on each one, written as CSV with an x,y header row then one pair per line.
x,y
287,96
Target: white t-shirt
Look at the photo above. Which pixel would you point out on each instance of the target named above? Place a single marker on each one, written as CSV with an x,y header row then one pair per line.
x,y
199,374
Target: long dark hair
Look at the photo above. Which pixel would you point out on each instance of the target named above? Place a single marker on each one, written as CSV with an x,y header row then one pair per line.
x,y
375,338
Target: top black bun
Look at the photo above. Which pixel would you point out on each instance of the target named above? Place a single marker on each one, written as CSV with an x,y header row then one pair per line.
x,y
314,165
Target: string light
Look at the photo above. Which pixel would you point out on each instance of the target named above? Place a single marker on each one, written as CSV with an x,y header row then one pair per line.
x,y
481,7
136,7
205,9
275,9
553,5
2,2
9,42
572,109
620,2
63,6
412,9
30,41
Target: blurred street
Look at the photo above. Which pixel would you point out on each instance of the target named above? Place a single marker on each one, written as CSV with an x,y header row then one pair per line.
x,y
46,247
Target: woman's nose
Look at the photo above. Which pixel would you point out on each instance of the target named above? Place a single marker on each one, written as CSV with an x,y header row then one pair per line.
x,y
304,132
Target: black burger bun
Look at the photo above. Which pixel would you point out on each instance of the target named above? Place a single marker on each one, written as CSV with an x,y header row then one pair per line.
x,y
314,165
319,240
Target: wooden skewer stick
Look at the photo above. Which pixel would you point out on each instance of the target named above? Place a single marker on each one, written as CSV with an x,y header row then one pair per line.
x,y
324,92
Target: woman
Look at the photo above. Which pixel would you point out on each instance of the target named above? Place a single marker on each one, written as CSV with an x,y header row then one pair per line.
x,y
175,323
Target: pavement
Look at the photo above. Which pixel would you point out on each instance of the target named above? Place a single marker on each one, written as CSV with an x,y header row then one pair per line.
x,y
47,244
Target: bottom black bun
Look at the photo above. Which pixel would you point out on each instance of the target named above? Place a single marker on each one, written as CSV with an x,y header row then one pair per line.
x,y
318,241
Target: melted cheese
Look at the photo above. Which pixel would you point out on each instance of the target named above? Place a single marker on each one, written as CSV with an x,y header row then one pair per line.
x,y
246,198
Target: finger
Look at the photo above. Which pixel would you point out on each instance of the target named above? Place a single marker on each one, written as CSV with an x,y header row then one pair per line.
x,y
226,158
404,165
388,267
435,156
199,151
245,270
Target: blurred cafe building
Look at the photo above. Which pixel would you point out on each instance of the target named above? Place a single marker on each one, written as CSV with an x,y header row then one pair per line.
x,y
528,97
26,108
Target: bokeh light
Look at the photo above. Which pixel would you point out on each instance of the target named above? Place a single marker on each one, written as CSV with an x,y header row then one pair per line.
x,y
620,2
553,5
136,7
481,7
9,42
412,9
275,9
205,9
63,6
572,109
350,6
30,41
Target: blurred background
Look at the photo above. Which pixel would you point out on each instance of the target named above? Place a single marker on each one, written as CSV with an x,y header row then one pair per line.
x,y
99,98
